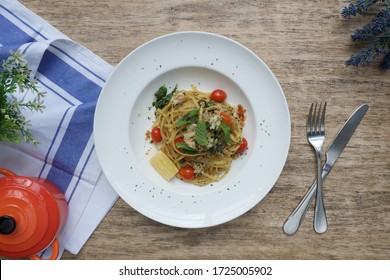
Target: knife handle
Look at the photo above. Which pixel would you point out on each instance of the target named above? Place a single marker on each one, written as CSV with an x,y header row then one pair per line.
x,y
293,222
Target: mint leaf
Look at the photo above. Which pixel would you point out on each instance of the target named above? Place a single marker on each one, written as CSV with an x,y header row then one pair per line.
x,y
201,134
180,122
190,117
186,149
226,131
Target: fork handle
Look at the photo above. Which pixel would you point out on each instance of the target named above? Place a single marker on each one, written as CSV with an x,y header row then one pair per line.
x,y
291,225
320,221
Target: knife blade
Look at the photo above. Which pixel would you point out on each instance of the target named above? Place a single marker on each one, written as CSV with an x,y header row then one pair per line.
x,y
335,149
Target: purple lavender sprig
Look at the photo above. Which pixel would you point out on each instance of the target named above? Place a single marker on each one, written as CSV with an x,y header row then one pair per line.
x,y
377,33
370,53
370,31
385,64
357,8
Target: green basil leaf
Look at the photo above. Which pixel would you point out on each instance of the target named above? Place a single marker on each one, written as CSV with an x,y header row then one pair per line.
x,y
180,122
201,134
226,131
186,148
190,117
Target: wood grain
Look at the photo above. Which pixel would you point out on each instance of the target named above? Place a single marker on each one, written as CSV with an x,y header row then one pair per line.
x,y
305,44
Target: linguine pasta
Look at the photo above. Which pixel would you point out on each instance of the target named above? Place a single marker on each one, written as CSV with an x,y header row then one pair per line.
x,y
200,134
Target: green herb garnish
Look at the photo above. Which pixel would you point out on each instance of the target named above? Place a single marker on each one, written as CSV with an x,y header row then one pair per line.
x,y
162,98
187,149
161,92
226,132
190,117
201,134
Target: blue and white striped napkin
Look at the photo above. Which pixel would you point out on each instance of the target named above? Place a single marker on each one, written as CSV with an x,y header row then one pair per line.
x,y
72,77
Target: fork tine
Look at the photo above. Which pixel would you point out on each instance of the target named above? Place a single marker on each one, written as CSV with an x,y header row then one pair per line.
x,y
315,119
323,119
310,119
318,120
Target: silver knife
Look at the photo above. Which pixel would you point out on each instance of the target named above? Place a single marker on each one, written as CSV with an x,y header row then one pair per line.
x,y
332,154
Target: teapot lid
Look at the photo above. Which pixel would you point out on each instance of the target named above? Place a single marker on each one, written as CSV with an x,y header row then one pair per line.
x,y
28,217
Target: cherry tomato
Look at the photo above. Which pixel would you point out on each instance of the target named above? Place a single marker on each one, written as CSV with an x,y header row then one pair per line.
x,y
187,173
243,146
226,118
179,140
218,95
156,134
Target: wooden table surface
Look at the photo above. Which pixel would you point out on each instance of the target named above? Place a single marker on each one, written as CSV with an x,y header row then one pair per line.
x,y
305,44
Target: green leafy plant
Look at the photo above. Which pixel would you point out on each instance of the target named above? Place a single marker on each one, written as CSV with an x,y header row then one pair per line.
x,y
376,33
15,85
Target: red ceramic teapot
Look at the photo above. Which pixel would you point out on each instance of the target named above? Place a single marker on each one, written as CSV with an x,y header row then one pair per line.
x,y
32,214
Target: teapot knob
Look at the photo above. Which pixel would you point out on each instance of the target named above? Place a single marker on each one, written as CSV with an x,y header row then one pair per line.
x,y
7,225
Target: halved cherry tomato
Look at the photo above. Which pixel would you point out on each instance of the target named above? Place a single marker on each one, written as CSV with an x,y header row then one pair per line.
x,y
218,95
243,146
179,140
156,134
187,173
226,118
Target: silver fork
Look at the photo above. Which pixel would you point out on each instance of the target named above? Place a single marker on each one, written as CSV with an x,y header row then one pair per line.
x,y
316,137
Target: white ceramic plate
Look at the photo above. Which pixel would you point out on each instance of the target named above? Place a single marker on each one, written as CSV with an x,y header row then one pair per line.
x,y
123,115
